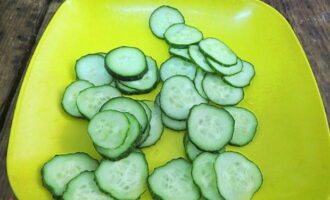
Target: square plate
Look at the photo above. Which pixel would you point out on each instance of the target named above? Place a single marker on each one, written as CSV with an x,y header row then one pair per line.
x,y
292,143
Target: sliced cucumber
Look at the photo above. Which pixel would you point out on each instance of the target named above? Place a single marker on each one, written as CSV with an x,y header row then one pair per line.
x,y
198,81
220,92
180,52
237,176
149,80
242,78
125,104
210,128
162,18
191,150
198,57
173,181
182,35
126,63
92,69
128,146
245,125
90,100
156,126
69,100
178,125
124,89
204,176
125,178
225,70
108,129
177,96
218,51
177,66
146,132
84,187
59,170
144,135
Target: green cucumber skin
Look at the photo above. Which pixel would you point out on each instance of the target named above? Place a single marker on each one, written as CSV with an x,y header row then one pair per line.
x,y
42,173
126,78
79,117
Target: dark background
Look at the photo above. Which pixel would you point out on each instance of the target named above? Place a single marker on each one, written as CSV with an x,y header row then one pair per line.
x,y
23,21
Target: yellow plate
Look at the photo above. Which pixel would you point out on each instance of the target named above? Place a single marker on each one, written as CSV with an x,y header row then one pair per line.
x,y
292,143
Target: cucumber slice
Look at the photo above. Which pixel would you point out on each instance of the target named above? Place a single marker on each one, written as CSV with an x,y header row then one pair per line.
x,y
128,146
178,125
69,100
210,128
124,89
84,187
156,126
182,35
162,18
198,57
177,66
173,181
220,92
177,96
198,81
90,100
108,129
191,150
225,70
149,80
146,132
204,175
125,178
237,176
126,63
218,51
125,104
242,78
182,53
144,135
245,125
146,109
59,170
92,69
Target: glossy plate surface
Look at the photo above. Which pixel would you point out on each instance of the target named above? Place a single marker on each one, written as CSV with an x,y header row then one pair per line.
x,y
292,143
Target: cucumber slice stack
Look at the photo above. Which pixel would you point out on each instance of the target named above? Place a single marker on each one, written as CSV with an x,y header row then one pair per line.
x,y
202,81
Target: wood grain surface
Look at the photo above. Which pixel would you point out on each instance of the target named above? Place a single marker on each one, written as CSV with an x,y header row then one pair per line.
x,y
22,22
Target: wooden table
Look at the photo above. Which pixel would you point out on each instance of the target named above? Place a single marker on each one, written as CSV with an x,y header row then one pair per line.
x,y
22,22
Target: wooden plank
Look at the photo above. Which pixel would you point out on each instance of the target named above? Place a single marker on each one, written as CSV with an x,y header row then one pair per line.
x,y
21,24
309,18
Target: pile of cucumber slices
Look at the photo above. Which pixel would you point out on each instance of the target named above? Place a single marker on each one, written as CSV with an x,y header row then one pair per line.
x,y
201,82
